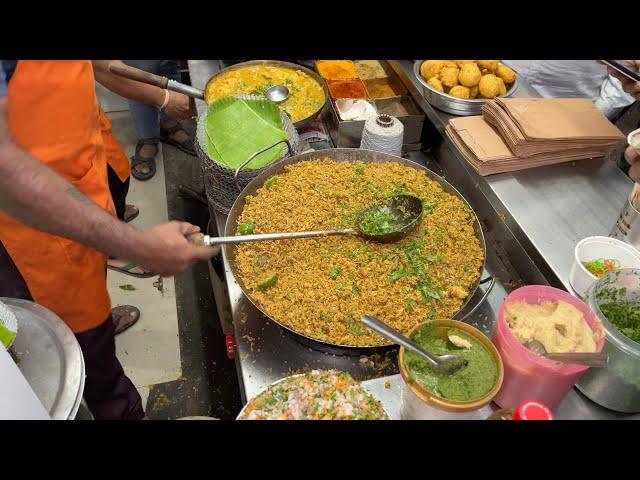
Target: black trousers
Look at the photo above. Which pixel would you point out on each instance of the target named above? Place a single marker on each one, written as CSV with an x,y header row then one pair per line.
x,y
109,393
119,190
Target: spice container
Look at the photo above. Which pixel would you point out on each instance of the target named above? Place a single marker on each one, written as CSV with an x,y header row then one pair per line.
x,y
617,385
418,403
347,89
385,87
345,133
336,69
527,375
372,69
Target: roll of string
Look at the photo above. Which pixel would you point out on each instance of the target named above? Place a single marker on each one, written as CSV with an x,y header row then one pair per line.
x,y
383,133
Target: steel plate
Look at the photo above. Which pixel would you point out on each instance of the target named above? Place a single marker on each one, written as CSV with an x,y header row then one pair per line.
x,y
50,358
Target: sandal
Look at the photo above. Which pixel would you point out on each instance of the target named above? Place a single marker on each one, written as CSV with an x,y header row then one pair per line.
x,y
124,317
186,146
138,159
130,212
126,269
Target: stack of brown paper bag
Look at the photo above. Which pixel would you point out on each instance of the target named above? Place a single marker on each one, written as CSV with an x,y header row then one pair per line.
x,y
519,133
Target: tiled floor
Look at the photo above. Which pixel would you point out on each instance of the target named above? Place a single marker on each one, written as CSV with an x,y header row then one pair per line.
x,y
150,350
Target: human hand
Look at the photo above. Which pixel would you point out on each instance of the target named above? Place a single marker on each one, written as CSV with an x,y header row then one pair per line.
x,y
166,251
629,86
180,106
632,157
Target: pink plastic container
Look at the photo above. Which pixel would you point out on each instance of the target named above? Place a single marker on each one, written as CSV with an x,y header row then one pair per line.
x,y
527,375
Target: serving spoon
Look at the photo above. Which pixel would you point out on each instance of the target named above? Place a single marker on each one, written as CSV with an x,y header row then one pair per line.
x,y
403,211
445,364
590,359
277,93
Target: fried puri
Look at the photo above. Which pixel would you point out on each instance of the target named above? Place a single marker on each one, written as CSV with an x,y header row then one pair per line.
x,y
469,75
449,76
460,91
436,83
489,86
506,74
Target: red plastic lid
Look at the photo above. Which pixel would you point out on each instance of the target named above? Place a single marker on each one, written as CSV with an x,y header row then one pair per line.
x,y
532,410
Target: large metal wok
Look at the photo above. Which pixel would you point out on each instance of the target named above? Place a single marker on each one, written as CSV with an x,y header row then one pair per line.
x,y
340,155
164,82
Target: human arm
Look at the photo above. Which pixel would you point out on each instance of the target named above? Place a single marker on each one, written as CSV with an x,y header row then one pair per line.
x,y
630,86
37,196
179,105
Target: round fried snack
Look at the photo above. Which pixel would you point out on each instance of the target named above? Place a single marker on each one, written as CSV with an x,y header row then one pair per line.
x,y
460,91
505,73
435,83
469,75
460,63
489,65
502,88
430,68
449,63
489,86
449,76
473,92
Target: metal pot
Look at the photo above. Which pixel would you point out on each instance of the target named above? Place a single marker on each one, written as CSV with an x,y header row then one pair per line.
x,y
449,103
340,155
163,82
616,386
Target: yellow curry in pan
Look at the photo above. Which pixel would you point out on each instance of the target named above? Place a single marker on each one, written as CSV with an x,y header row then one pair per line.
x,y
306,95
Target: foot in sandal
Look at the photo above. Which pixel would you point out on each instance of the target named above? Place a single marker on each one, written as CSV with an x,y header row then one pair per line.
x,y
143,162
172,133
124,316
128,268
130,212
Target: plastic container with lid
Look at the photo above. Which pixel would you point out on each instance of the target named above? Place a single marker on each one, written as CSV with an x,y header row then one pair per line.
x,y
417,403
527,410
527,375
616,386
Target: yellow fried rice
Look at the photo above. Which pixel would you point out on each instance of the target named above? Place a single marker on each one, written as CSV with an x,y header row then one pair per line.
x,y
320,287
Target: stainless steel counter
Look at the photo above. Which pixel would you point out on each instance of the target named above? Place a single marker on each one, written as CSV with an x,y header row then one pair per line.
x,y
547,210
265,353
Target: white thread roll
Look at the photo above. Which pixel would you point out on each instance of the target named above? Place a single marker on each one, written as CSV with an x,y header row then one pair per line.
x,y
383,139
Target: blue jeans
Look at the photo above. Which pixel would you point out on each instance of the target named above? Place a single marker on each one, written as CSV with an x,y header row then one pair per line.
x,y
146,118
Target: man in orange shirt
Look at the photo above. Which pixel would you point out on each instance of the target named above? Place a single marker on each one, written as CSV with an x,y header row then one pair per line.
x,y
57,220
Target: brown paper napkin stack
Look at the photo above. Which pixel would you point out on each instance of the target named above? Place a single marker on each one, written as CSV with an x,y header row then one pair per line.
x,y
520,133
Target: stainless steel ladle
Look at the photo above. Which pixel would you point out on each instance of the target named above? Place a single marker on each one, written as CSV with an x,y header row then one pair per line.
x,y
277,93
402,211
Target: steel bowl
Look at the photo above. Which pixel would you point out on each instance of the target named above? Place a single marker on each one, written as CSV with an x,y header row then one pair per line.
x,y
340,155
278,63
617,385
449,103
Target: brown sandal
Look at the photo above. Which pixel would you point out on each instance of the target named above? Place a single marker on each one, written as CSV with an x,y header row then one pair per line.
x,y
124,316
130,212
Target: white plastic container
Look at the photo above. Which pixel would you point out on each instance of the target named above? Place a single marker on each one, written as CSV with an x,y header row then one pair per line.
x,y
592,248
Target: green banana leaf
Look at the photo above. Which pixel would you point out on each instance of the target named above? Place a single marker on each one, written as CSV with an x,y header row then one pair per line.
x,y
237,128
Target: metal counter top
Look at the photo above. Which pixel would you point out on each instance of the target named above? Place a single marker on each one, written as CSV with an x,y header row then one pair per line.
x,y
547,209
266,353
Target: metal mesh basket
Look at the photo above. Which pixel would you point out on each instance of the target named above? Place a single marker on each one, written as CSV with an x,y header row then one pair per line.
x,y
222,184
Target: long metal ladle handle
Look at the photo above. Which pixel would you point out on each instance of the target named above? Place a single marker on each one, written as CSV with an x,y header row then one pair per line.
x,y
207,241
596,359
395,336
138,75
